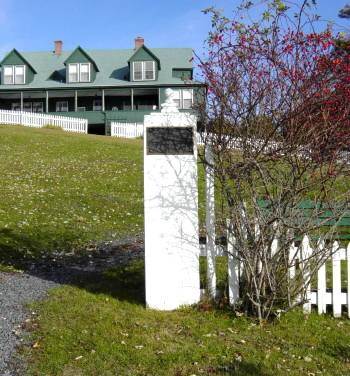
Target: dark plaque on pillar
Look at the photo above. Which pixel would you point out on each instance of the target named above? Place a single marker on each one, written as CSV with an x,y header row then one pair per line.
x,y
170,141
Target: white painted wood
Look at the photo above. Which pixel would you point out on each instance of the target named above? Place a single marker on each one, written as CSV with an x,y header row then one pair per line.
x,y
126,130
171,219
233,267
348,277
321,283
274,247
292,260
306,252
38,120
210,221
336,267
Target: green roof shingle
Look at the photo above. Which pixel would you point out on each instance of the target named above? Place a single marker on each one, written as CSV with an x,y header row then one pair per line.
x,y
112,64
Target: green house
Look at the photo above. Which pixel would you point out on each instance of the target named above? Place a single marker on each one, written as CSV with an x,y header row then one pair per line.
x,y
99,85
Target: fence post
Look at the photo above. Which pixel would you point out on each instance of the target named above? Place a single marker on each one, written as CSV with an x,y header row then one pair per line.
x,y
210,220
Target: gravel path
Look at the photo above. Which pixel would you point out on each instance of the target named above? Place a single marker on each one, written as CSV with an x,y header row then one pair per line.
x,y
19,289
16,290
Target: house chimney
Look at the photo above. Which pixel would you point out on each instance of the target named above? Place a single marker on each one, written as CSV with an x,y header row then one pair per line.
x,y
139,42
58,47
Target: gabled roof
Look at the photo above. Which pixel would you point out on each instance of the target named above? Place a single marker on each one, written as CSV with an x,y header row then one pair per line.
x,y
14,51
113,66
82,51
148,51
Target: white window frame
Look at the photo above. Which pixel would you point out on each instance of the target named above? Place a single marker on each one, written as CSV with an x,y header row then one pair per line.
x,y
69,73
143,70
13,70
182,100
89,72
24,74
59,104
9,75
79,72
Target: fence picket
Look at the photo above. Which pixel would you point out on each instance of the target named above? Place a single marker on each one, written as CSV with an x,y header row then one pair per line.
x,y
321,286
336,268
233,267
305,254
348,275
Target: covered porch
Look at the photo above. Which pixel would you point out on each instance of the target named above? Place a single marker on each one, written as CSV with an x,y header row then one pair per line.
x,y
95,100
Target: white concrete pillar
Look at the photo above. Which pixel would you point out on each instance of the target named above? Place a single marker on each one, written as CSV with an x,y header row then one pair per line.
x,y
171,208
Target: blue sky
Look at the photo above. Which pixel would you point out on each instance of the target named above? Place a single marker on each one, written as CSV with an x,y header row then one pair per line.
x,y
35,24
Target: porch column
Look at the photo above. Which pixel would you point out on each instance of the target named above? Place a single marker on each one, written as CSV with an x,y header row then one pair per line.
x,y
132,99
159,99
103,99
21,100
76,100
47,101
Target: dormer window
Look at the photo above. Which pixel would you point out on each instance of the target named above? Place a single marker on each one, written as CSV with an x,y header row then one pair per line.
x,y
144,70
14,74
79,72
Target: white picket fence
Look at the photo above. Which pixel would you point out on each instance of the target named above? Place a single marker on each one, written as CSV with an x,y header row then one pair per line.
x,y
126,130
37,120
319,296
322,296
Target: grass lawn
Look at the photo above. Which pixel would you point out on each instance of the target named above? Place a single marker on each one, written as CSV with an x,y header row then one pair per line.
x,y
61,192
99,326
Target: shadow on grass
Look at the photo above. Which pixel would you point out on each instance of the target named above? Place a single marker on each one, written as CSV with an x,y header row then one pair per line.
x,y
337,350
242,368
120,281
125,282
20,249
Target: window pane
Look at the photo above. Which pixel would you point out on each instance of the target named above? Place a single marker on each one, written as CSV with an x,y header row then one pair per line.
x,y
73,73
187,98
19,74
138,70
177,98
149,70
85,72
8,75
